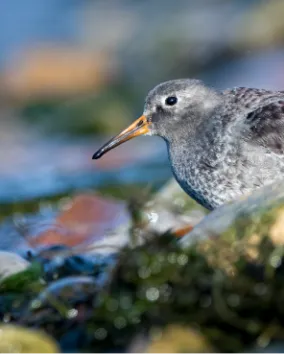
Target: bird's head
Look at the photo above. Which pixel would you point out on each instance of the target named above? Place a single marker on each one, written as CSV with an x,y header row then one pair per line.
x,y
171,108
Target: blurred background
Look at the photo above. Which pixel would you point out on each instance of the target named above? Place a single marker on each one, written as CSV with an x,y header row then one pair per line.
x,y
75,72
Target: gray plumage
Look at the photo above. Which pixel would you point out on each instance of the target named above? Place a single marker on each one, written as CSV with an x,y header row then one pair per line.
x,y
221,144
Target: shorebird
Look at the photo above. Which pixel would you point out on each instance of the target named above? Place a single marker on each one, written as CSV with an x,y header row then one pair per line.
x,y
221,144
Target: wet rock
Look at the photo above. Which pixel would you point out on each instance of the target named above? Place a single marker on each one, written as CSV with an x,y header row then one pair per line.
x,y
178,339
68,290
171,208
64,307
15,339
59,261
47,253
84,264
11,263
82,220
265,200
168,209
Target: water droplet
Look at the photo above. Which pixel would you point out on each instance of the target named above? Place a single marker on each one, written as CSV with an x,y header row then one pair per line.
x,y
275,261
72,313
144,272
35,304
120,322
260,289
125,302
6,318
152,294
182,259
112,305
153,217
100,333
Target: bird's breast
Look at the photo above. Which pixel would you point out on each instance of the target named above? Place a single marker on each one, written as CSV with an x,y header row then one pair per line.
x,y
206,181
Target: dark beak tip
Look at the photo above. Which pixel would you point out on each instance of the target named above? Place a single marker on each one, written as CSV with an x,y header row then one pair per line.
x,y
97,155
135,129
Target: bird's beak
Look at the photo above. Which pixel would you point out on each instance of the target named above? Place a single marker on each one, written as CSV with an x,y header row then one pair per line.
x,y
139,127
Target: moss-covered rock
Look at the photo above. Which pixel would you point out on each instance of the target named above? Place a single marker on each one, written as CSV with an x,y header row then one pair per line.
x,y
266,203
15,339
178,339
226,289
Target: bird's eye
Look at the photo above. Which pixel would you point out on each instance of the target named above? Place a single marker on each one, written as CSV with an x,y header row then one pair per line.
x,y
171,100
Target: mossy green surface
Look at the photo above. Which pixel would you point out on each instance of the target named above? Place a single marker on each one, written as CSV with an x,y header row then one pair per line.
x,y
26,280
230,296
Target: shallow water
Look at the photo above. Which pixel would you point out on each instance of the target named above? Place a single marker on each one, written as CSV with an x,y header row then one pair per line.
x,y
33,166
40,174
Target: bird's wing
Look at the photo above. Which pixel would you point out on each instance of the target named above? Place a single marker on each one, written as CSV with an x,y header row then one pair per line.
x,y
263,122
265,126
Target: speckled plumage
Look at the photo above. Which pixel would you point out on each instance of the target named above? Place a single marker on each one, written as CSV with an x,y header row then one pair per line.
x,y
221,144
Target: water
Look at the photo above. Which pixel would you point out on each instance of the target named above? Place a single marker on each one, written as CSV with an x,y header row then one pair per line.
x,y
35,166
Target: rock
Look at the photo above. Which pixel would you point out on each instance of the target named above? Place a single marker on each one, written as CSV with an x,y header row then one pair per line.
x,y
67,290
172,208
15,339
168,209
99,224
58,262
11,263
174,339
83,220
259,203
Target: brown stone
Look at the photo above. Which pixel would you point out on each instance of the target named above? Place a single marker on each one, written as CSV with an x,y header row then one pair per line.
x,y
83,219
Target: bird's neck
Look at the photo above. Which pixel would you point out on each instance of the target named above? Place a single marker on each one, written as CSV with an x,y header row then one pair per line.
x,y
208,145
209,138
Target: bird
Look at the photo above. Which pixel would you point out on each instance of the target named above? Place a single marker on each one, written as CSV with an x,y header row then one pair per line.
x,y
222,144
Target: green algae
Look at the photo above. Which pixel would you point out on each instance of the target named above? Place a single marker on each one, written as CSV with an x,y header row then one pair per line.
x,y
26,280
233,299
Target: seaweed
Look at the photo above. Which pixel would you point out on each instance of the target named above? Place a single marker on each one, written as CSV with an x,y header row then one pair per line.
x,y
226,288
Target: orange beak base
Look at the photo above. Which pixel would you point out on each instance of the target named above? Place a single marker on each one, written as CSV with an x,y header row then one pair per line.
x,y
139,127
